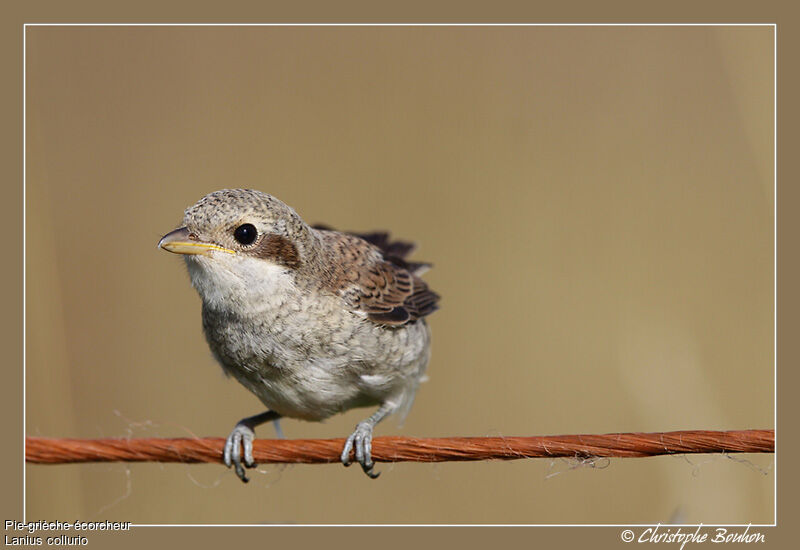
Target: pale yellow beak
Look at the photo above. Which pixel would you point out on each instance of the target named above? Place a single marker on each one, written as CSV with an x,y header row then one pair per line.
x,y
181,241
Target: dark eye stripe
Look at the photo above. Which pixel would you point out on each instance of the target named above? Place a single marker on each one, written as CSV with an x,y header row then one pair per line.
x,y
277,249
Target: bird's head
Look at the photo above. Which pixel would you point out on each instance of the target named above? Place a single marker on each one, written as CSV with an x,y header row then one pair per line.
x,y
236,241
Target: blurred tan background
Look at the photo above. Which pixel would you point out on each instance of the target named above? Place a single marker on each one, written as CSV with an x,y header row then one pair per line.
x,y
598,203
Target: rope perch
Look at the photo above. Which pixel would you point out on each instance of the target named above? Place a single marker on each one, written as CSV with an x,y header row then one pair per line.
x,y
43,450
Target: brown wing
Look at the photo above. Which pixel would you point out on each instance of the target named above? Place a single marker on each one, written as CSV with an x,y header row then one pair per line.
x,y
375,278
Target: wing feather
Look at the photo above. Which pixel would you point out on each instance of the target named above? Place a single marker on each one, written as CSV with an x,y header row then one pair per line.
x,y
376,279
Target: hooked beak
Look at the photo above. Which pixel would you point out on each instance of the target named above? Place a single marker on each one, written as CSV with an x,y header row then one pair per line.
x,y
181,241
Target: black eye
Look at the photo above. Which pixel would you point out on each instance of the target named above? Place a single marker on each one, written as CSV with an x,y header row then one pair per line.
x,y
245,233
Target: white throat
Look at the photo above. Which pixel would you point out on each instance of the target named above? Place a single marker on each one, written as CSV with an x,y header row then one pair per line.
x,y
237,282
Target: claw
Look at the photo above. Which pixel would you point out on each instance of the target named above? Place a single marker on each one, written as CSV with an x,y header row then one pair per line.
x,y
360,441
367,465
248,452
348,446
241,439
359,445
242,436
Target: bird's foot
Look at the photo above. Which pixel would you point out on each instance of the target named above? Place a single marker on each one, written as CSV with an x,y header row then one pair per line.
x,y
240,438
360,441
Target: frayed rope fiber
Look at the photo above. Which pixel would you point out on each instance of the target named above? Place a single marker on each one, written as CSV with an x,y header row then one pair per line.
x,y
43,450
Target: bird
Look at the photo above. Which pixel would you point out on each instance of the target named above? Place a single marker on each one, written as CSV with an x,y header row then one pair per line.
x,y
313,321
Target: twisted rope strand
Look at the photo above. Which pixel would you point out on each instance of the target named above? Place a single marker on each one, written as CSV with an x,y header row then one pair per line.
x,y
42,450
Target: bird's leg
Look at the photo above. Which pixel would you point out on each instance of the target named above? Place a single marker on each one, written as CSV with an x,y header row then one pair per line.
x,y
278,430
242,436
361,440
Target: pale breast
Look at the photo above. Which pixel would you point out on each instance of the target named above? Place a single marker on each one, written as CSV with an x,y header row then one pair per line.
x,y
312,360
